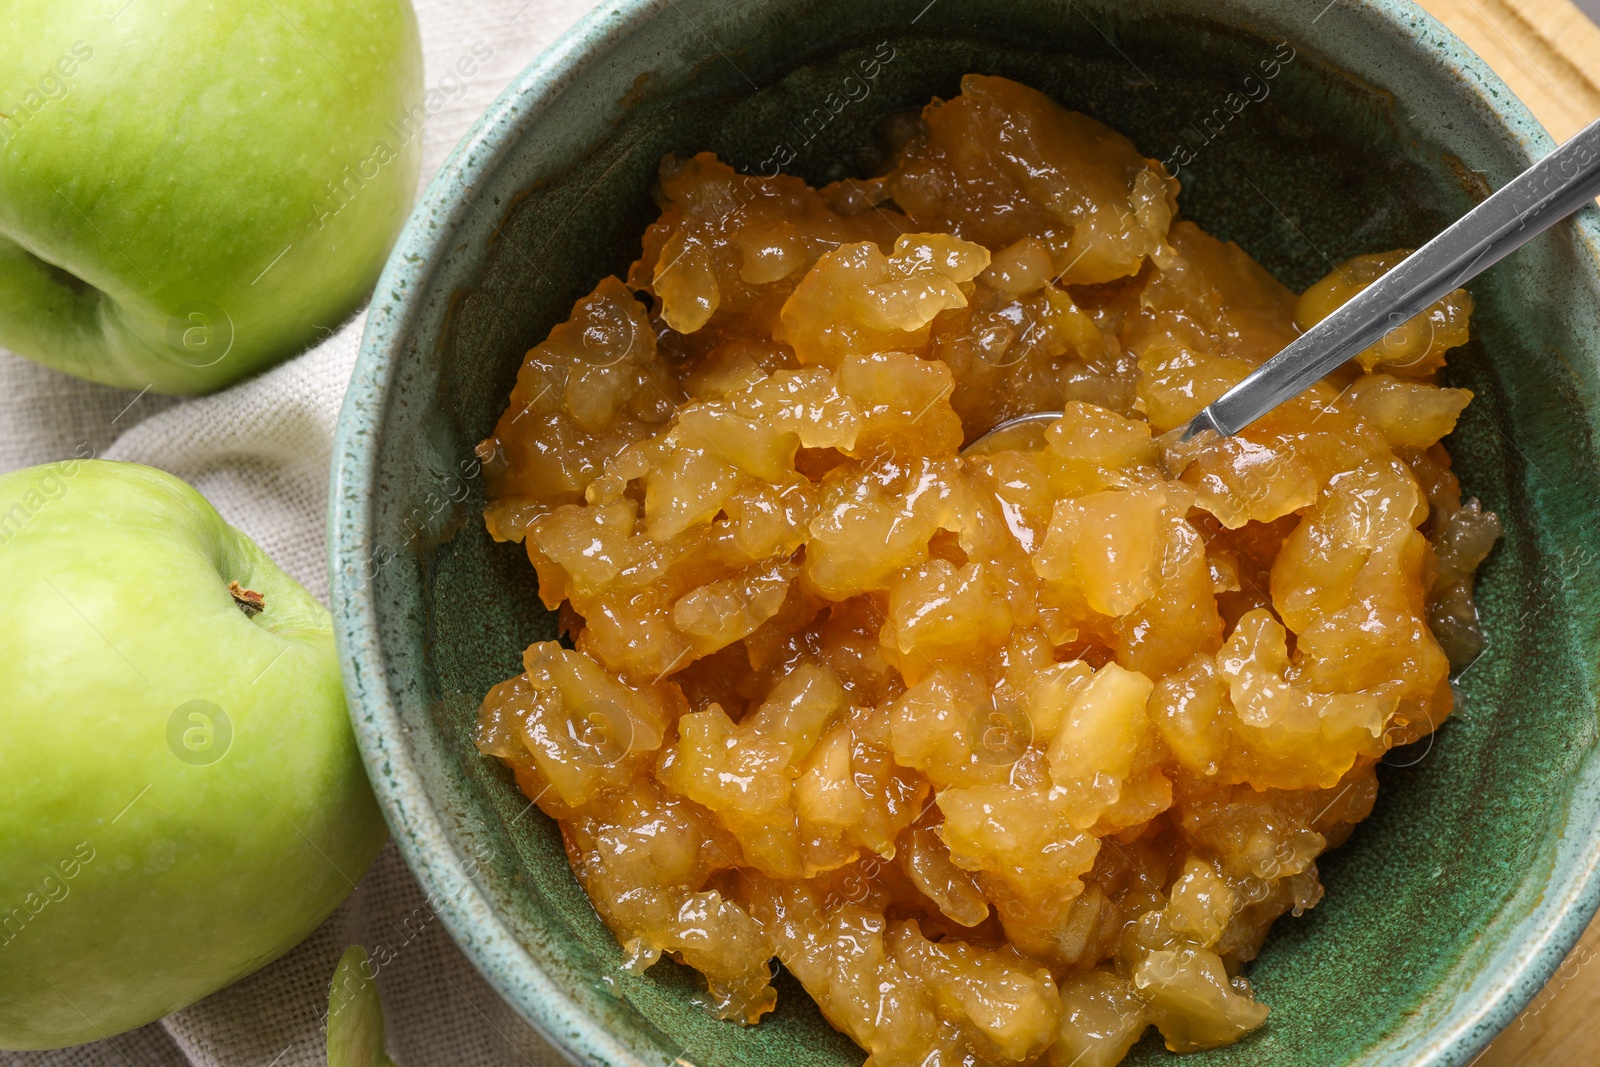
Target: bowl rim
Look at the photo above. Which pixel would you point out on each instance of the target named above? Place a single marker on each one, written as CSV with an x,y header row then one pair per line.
x,y
1518,970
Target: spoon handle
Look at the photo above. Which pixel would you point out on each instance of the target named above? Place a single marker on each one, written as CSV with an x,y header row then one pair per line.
x,y
1535,200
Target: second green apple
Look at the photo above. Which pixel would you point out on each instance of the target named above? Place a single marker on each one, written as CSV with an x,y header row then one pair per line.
x,y
181,798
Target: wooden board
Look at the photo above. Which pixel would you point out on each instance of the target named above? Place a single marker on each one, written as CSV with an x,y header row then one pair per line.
x,y
1548,52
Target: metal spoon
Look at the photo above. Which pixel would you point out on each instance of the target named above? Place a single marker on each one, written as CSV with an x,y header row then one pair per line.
x,y
1024,433
1544,194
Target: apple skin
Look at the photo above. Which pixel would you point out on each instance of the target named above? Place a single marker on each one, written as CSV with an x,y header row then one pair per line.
x,y
147,196
141,869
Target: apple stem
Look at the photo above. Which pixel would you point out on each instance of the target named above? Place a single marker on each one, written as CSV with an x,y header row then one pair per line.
x,y
250,602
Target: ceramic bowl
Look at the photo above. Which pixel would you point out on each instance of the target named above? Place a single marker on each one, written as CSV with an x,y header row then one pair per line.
x,y
1447,910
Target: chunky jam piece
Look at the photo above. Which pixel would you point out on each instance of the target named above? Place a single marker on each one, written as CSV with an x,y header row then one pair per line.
x,y
1008,755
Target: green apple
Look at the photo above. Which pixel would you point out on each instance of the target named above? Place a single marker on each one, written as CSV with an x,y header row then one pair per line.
x,y
192,190
181,799
355,1014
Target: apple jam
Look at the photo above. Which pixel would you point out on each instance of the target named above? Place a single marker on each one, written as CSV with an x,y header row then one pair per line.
x,y
1006,757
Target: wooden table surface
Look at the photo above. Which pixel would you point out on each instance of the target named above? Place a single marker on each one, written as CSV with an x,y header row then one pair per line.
x,y
1548,52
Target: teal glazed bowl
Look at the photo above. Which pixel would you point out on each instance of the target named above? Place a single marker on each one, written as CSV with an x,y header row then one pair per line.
x,y
1448,909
